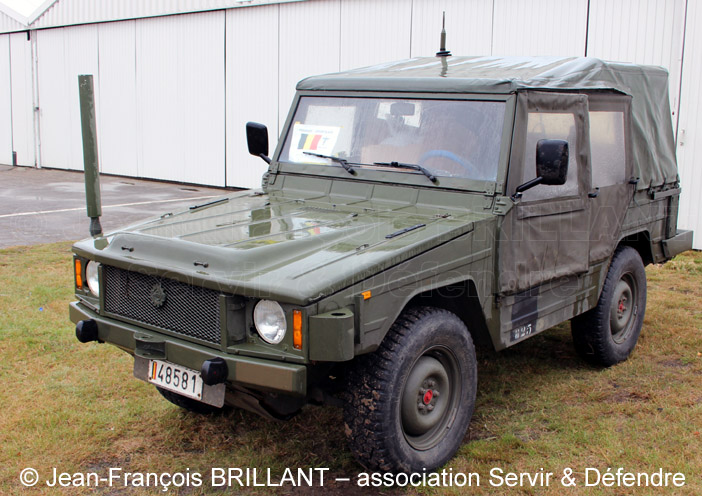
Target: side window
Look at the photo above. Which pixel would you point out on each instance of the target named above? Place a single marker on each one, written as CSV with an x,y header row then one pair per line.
x,y
607,148
545,125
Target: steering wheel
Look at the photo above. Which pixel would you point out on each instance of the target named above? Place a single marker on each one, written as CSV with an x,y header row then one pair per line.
x,y
467,165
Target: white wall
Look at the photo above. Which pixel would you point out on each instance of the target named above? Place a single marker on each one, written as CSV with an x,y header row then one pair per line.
x,y
64,54
22,104
5,102
539,27
386,32
690,127
81,57
469,27
9,23
309,44
180,97
175,92
159,91
653,34
54,112
117,122
250,57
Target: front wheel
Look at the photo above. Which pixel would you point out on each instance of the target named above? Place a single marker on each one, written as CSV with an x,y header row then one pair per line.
x,y
410,402
607,334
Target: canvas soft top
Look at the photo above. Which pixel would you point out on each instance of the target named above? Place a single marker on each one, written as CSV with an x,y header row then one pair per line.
x,y
653,143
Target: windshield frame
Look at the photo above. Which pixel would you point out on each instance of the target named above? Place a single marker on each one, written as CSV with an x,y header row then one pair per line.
x,y
407,177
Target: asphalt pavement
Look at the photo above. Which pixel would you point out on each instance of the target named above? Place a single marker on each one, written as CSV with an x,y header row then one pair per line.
x,y
47,205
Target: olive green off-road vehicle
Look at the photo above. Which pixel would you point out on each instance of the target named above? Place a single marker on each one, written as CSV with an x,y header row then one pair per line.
x,y
408,209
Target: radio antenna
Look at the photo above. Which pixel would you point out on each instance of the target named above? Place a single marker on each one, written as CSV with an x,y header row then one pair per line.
x,y
442,44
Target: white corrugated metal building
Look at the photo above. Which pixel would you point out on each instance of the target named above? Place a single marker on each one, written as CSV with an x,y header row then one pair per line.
x,y
175,81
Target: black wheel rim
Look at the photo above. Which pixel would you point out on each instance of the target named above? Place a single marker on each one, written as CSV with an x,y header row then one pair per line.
x,y
624,309
430,398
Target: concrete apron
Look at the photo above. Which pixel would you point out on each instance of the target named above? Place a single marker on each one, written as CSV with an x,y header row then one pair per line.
x,y
45,205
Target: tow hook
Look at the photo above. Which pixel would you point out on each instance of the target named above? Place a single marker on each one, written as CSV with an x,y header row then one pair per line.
x,y
214,371
87,331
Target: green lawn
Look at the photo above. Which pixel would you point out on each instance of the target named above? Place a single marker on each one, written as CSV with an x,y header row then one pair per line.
x,y
78,408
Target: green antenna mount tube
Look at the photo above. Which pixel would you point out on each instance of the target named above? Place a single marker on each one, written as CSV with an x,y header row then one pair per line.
x,y
90,153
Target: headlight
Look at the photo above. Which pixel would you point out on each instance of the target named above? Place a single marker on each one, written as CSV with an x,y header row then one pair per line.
x,y
91,275
269,319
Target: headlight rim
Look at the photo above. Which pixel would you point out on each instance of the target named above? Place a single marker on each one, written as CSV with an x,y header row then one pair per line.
x,y
280,334
92,279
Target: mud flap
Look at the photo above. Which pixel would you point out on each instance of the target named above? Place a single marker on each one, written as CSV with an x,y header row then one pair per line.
x,y
679,243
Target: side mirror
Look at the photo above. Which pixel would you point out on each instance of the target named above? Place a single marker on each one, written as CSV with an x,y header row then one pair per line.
x,y
551,166
257,140
552,161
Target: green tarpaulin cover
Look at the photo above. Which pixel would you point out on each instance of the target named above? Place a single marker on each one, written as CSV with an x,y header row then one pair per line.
x,y
653,146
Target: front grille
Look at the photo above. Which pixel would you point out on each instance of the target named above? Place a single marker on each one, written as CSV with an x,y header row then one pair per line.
x,y
164,303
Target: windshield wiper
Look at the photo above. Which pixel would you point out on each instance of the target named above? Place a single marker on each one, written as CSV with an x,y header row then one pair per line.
x,y
344,163
416,167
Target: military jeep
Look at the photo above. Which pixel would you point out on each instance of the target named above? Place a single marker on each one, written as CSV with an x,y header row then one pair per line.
x,y
408,210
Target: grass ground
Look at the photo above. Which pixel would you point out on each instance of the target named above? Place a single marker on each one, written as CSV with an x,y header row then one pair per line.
x,y
77,407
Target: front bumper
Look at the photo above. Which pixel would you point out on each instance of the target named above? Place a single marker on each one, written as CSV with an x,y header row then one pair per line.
x,y
254,373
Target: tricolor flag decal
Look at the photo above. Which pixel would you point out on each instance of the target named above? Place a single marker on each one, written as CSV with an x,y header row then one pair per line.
x,y
309,141
315,139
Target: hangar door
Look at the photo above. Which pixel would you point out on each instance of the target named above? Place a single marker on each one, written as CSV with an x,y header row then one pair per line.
x,y
5,102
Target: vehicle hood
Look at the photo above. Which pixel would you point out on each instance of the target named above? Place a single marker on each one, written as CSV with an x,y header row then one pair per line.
x,y
295,249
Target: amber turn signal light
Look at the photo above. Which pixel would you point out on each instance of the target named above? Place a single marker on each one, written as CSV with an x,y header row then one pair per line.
x,y
297,329
79,274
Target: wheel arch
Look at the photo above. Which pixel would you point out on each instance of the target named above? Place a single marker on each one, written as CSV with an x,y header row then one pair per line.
x,y
641,242
460,298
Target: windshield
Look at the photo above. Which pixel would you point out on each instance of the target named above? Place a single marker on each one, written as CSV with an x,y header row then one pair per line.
x,y
450,138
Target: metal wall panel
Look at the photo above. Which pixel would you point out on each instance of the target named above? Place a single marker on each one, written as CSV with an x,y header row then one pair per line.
x,y
689,145
64,54
8,24
53,104
118,108
180,97
652,34
252,88
309,44
22,104
81,52
68,12
373,32
539,27
5,102
468,27
163,104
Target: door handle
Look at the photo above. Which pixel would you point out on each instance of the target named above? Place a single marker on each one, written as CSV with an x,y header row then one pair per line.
x,y
594,194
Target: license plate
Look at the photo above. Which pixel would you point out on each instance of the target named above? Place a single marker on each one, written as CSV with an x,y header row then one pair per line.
x,y
181,380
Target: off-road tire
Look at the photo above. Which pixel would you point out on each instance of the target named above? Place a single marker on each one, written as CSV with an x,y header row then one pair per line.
x,y
607,334
189,404
426,359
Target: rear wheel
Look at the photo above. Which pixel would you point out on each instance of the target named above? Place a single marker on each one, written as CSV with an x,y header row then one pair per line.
x,y
410,402
608,333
